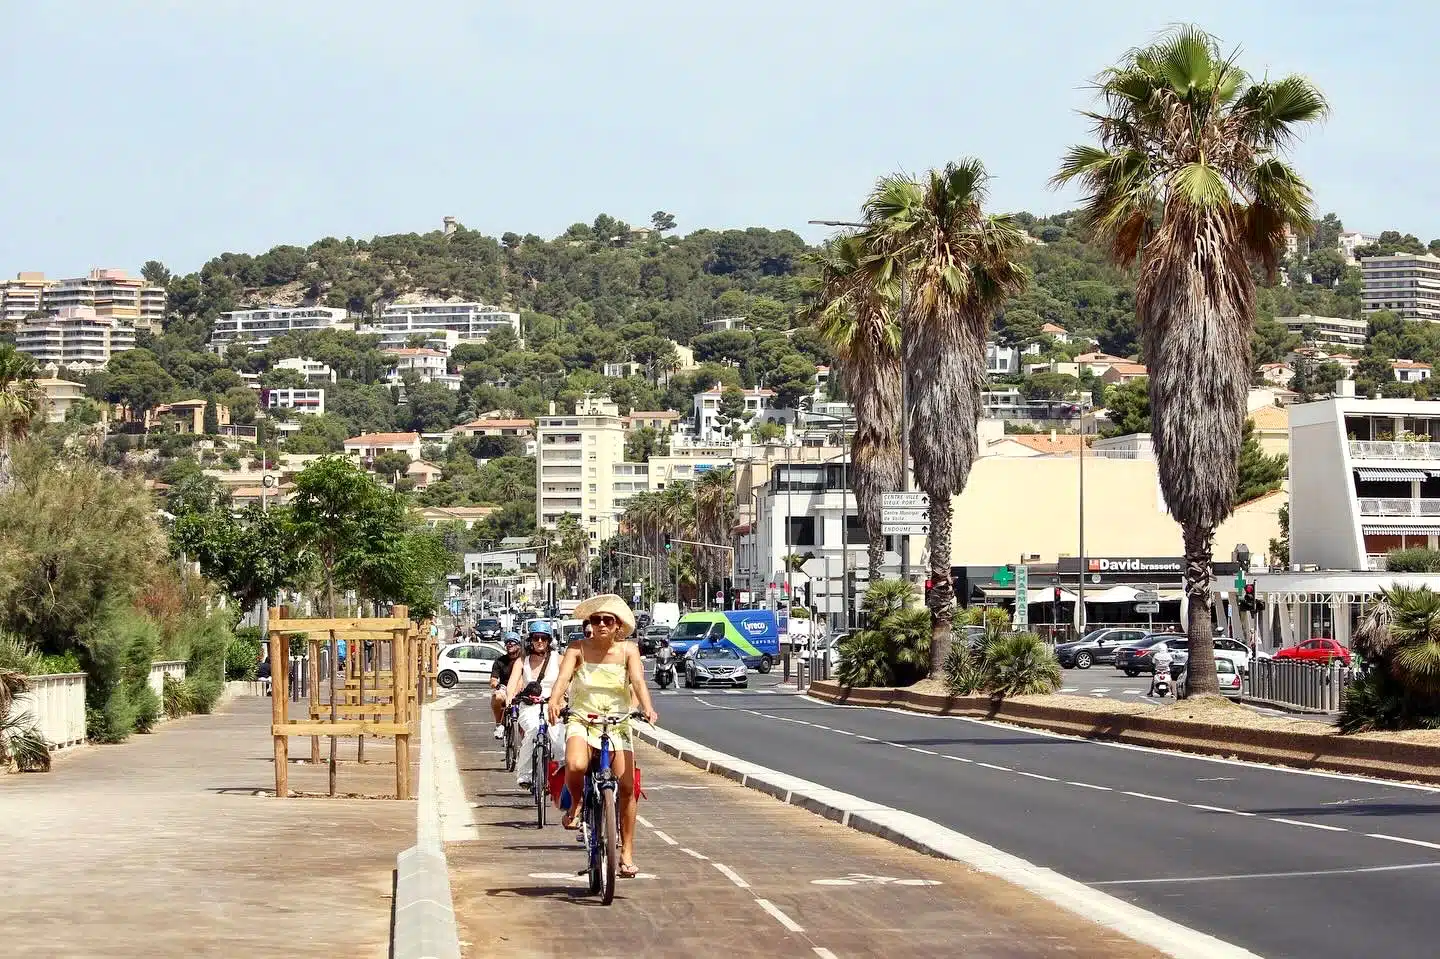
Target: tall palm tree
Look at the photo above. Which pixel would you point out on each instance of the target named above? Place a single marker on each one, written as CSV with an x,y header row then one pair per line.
x,y
1188,180
19,403
715,520
853,309
958,265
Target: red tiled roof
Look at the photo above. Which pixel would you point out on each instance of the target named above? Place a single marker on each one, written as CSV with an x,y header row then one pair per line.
x,y
383,439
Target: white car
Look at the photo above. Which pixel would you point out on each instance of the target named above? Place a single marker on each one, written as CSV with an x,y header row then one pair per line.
x,y
467,663
1231,682
1231,650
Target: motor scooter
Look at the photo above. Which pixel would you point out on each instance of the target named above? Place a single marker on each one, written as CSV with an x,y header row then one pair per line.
x,y
664,666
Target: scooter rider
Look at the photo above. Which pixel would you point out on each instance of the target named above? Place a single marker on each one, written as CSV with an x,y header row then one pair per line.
x,y
664,662
1160,655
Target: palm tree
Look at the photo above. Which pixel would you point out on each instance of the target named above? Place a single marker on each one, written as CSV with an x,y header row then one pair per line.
x,y
853,311
715,520
958,265
19,403
1188,181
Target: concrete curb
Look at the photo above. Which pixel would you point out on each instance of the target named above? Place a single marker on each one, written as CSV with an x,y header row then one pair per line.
x,y
922,835
1372,758
424,925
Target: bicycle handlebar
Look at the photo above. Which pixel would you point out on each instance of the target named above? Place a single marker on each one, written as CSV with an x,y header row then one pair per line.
x,y
608,718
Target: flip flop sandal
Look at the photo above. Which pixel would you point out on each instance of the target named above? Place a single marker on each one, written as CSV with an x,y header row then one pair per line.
x,y
627,871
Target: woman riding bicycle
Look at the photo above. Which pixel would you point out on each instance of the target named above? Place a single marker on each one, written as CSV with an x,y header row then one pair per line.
x,y
608,677
533,678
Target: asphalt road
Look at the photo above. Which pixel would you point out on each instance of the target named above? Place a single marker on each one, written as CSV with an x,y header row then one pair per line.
x,y
1281,862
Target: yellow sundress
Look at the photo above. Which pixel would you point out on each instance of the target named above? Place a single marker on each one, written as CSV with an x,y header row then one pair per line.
x,y
602,689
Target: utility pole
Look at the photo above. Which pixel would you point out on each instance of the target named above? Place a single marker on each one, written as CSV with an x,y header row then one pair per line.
x,y
1080,600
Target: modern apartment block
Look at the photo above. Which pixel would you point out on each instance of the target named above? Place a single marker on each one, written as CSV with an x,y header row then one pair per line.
x,y
108,292
429,365
1364,479
575,460
311,401
1327,329
1405,283
471,321
257,327
313,370
76,337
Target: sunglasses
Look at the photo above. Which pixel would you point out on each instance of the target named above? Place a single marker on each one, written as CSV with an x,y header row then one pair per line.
x,y
603,619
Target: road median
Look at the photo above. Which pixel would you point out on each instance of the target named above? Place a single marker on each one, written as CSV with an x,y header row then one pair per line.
x,y
1381,758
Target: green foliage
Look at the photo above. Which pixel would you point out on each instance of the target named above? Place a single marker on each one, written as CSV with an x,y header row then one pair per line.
x,y
252,556
1129,406
242,658
1259,473
1021,664
898,632
1416,559
964,671
56,664
178,697
118,652
865,661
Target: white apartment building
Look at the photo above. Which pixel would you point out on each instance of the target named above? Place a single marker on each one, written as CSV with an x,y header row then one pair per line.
x,y
1350,241
1364,479
311,401
1405,283
257,327
108,292
367,446
726,323
59,396
1001,360
470,321
1328,329
430,365
313,370
759,403
575,460
76,336
1410,371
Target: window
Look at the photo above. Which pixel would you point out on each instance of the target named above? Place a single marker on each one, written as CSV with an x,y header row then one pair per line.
x,y
801,531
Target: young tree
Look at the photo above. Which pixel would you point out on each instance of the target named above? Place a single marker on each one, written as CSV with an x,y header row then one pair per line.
x,y
336,507
20,401
1189,180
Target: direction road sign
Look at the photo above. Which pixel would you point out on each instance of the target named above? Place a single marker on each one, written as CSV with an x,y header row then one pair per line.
x,y
904,529
1147,594
903,500
1147,608
906,514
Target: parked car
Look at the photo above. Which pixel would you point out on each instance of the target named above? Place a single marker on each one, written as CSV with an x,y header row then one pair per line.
x,y
1231,682
715,666
1097,646
1318,650
1134,659
1231,650
466,663
649,640
489,629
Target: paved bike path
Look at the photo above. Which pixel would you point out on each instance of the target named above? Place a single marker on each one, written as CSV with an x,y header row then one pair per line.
x,y
734,873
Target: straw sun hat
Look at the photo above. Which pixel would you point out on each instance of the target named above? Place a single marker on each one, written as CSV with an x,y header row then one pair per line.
x,y
608,603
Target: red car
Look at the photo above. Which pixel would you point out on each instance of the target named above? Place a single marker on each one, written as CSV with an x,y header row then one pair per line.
x,y
1323,651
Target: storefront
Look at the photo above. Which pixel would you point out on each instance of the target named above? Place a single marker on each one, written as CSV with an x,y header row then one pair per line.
x,y
1294,607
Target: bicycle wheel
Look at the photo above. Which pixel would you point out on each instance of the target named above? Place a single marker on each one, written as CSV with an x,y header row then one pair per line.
x,y
608,850
593,837
512,747
539,778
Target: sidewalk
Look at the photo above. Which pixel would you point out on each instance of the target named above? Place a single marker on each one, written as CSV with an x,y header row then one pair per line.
x,y
729,871
161,847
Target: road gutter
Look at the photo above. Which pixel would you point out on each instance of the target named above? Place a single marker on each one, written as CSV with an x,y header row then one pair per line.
x,y
424,926
923,835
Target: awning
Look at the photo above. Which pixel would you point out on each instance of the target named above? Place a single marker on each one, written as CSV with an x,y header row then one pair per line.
x,y
1403,530
1378,474
1115,594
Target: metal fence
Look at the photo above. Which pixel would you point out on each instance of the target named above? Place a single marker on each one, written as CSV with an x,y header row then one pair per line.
x,y
1303,686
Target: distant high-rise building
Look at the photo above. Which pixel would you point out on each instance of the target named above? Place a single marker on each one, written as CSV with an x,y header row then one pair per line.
x,y
470,321
257,327
108,292
76,336
1405,283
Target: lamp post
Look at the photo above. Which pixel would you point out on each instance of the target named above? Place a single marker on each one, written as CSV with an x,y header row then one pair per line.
x,y
1241,557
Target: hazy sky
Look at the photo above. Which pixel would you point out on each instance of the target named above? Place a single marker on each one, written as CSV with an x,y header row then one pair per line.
x,y
177,130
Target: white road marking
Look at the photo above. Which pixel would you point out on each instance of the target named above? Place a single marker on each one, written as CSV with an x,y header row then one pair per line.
x,y
1102,689
695,855
1131,692
780,917
1311,825
1003,769
824,953
1412,842
664,838
1126,792
1070,689
1233,812
1089,786
1271,875
644,822
1021,772
730,874
928,752
960,759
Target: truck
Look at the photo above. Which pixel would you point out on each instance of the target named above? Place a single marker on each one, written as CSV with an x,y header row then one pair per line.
x,y
754,634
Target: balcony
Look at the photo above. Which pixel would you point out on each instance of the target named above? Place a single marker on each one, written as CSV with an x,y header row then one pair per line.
x,y
1393,450
1399,507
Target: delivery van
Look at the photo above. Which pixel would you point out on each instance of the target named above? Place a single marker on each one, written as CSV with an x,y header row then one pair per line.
x,y
752,633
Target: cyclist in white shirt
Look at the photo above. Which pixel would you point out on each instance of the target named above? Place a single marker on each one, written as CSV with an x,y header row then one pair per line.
x,y
533,677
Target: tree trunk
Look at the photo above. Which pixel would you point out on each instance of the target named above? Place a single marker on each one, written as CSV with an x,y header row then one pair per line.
x,y
877,558
1200,668
942,591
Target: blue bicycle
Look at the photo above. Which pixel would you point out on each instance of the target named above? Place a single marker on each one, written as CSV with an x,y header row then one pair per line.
x,y
598,809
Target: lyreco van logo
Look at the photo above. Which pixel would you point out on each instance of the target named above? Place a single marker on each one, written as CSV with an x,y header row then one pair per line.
x,y
755,628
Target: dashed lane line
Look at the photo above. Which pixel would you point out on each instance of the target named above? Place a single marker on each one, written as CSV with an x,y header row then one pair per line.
x,y
1352,871
731,874
824,953
1127,792
1232,812
779,916
664,837
694,855
644,822
1309,825
1411,842
1089,786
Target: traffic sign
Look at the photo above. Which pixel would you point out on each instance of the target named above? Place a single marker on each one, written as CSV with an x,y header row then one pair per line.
x,y
1147,594
904,500
1147,609
904,529
905,514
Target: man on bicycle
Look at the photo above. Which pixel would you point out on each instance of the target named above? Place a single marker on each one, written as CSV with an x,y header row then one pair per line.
x,y
530,683
500,680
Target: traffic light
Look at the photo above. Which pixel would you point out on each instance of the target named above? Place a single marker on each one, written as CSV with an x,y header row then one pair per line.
x,y
1057,595
667,542
1247,601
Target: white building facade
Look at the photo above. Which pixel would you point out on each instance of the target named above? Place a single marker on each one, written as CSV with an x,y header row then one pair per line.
x,y
258,327
75,337
1327,329
469,321
1406,283
310,401
313,370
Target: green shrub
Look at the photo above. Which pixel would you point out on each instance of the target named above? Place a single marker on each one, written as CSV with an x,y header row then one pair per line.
x,y
179,697
1377,702
965,673
118,653
1020,664
1413,560
242,659
18,657
58,664
865,661
210,640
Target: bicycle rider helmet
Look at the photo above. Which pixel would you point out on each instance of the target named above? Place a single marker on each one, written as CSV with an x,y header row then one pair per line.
x,y
539,626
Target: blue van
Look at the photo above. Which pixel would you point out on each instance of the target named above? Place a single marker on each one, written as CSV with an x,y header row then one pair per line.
x,y
753,633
